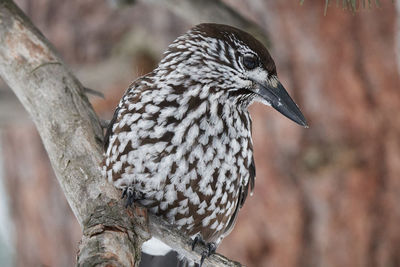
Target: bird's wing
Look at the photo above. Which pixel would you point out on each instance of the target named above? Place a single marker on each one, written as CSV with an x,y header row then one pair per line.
x,y
131,95
109,128
243,191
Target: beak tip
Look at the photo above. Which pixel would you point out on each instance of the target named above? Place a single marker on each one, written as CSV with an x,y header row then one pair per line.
x,y
298,117
303,123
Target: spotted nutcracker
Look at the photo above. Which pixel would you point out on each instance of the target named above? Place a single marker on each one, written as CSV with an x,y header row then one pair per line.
x,y
179,142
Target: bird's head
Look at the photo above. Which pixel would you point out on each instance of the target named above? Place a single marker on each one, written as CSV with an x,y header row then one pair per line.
x,y
220,60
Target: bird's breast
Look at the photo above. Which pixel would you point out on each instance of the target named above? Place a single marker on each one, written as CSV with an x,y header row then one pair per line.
x,y
189,170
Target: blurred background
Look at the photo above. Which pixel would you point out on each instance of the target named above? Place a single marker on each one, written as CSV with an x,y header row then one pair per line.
x,y
324,196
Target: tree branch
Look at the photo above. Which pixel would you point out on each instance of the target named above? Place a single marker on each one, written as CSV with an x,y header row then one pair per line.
x,y
72,136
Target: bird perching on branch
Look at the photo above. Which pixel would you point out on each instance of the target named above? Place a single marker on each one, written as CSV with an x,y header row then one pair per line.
x,y
180,144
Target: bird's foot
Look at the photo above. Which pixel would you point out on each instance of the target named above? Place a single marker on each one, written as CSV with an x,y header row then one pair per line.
x,y
210,248
131,195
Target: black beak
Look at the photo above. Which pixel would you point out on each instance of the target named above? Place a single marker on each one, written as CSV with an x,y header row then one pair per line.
x,y
281,101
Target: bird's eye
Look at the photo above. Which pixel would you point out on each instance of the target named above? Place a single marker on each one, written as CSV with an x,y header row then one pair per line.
x,y
250,62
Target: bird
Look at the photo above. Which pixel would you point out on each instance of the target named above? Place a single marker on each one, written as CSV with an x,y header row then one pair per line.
x,y
180,140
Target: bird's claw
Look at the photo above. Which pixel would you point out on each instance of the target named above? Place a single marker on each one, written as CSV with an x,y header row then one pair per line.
x,y
131,195
196,240
210,248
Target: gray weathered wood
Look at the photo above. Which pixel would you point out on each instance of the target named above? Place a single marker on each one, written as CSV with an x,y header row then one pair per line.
x,y
72,136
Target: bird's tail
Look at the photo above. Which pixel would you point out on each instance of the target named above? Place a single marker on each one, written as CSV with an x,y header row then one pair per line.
x,y
168,260
171,259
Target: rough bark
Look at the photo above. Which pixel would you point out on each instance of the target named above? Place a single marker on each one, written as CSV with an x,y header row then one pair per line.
x,y
67,125
72,136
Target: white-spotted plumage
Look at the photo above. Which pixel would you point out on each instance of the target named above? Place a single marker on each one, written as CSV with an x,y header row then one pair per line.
x,y
181,135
